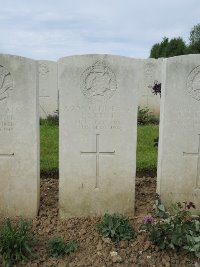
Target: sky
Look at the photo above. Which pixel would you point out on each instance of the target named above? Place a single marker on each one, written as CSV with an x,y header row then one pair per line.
x,y
50,29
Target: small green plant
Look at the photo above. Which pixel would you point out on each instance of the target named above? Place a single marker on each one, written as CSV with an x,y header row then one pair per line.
x,y
179,230
146,117
58,248
116,227
15,242
159,209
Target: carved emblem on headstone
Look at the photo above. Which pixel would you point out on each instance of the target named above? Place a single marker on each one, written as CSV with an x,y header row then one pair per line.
x,y
193,83
98,82
6,83
43,69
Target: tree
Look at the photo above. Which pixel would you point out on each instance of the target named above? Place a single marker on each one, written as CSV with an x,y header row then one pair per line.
x,y
195,34
176,47
155,51
159,49
166,48
194,46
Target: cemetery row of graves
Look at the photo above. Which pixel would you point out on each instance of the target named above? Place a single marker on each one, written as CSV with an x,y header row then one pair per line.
x,y
61,249
101,141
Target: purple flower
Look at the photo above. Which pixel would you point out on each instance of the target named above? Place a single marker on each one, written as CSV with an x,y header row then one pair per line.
x,y
148,219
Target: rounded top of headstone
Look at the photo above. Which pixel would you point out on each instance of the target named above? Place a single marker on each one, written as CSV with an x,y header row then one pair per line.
x,y
98,82
193,83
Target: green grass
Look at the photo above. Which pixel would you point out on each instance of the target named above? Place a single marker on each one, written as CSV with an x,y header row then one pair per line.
x,y
48,148
146,152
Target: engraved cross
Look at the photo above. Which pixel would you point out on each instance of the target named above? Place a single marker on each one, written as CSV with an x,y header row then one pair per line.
x,y
97,153
197,183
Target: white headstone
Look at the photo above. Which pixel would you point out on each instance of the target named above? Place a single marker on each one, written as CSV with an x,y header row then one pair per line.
x,y
19,137
98,130
179,143
151,71
48,88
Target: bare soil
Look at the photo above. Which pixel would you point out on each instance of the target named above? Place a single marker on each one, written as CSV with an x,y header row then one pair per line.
x,y
93,250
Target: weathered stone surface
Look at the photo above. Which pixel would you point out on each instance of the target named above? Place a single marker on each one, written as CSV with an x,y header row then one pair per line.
x,y
19,137
48,88
98,129
151,71
179,143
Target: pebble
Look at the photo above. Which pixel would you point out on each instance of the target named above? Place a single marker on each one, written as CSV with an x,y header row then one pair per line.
x,y
113,253
147,245
106,240
123,244
62,264
87,241
82,232
99,246
116,259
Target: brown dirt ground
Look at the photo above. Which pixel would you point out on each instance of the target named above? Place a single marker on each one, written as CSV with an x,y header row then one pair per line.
x,y
93,250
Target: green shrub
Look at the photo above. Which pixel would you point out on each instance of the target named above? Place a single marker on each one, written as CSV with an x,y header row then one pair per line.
x,y
146,117
15,242
58,248
116,227
179,230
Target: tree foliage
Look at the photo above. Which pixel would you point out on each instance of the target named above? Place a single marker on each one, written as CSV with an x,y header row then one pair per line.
x,y
195,34
194,46
176,46
168,48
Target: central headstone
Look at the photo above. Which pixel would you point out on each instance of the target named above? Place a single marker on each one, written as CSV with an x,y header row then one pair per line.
x,y
98,129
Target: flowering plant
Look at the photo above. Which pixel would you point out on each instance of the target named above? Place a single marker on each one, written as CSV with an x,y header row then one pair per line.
x,y
178,230
148,219
156,88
